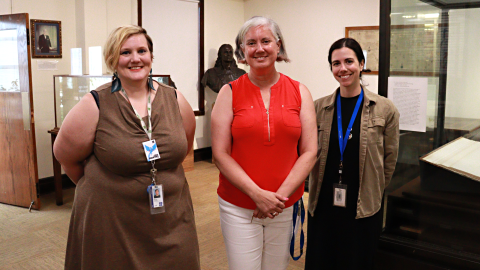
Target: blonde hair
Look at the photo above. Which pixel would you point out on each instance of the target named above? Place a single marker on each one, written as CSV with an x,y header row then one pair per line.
x,y
115,40
255,22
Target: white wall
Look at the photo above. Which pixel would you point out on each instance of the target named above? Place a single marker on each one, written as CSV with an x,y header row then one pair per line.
x,y
463,82
99,18
309,27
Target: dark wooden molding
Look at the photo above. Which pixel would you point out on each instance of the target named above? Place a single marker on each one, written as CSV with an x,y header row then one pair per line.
x,y
453,4
384,48
423,253
139,12
47,185
202,154
393,261
201,67
439,137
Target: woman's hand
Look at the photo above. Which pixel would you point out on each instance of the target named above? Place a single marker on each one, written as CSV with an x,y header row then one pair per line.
x,y
269,204
260,215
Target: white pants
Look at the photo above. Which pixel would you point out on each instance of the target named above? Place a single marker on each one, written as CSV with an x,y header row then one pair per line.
x,y
262,244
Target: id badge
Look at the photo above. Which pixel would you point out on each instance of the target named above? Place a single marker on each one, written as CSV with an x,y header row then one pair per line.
x,y
155,195
340,195
151,150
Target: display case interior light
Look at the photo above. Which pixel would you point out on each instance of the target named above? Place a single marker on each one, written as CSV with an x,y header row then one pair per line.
x,y
431,16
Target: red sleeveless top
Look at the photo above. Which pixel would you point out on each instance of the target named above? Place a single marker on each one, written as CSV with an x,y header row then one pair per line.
x,y
264,145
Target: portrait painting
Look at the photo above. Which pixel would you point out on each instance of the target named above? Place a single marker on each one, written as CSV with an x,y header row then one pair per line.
x,y
46,37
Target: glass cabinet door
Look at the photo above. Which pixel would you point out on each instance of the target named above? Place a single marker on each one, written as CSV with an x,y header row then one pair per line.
x,y
437,207
70,89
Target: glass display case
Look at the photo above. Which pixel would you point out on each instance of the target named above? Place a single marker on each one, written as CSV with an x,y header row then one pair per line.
x,y
433,209
69,89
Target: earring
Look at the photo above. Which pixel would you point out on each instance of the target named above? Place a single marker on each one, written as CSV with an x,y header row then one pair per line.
x,y
150,80
116,83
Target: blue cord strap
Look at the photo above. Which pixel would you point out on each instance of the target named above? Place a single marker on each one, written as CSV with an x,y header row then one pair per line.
x,y
343,141
298,209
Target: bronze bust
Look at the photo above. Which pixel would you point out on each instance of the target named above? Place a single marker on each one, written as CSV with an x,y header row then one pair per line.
x,y
225,70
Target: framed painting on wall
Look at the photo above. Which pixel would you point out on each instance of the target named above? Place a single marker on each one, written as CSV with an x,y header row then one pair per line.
x,y
46,39
368,38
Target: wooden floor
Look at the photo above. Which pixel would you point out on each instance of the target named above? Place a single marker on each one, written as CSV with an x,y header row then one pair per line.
x,y
37,240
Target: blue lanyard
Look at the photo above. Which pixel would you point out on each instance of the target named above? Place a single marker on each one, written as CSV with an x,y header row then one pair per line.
x,y
343,140
298,209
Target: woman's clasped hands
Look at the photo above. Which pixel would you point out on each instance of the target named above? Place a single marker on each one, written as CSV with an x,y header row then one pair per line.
x,y
269,204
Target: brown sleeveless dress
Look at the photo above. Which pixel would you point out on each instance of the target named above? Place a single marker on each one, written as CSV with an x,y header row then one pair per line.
x,y
111,226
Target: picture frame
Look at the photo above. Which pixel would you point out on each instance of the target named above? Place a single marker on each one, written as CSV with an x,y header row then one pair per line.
x,y
46,38
369,39
425,62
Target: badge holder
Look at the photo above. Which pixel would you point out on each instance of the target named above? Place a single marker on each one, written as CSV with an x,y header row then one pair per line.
x,y
340,191
155,194
340,195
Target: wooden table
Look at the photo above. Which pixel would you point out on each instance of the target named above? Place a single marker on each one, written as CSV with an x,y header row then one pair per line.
x,y
57,168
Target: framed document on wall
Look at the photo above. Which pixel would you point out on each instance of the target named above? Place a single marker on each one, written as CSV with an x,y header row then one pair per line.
x,y
413,48
368,37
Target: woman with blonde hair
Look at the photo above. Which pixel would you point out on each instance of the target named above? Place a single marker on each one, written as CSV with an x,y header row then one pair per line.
x,y
120,144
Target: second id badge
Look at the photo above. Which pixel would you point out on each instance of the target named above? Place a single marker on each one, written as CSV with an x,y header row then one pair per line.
x,y
340,195
151,150
155,195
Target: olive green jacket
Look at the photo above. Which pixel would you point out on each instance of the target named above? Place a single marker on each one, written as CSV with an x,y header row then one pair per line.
x,y
379,136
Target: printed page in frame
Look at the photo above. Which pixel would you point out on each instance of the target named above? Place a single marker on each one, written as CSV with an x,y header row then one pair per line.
x,y
368,38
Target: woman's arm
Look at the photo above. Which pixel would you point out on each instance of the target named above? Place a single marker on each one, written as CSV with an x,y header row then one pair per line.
x,y
74,142
222,118
307,146
188,118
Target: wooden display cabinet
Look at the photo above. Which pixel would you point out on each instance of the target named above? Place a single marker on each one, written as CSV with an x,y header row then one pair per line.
x,y
441,228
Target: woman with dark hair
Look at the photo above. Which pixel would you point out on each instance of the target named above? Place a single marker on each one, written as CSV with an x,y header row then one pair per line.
x,y
358,133
264,143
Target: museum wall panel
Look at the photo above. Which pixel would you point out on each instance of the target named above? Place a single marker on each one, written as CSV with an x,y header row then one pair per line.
x,y
223,19
309,28
72,22
463,56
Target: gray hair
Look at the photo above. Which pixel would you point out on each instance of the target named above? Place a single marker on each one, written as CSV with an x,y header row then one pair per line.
x,y
255,22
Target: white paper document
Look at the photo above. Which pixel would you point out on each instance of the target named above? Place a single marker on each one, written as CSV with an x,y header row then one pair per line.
x,y
462,155
47,65
409,94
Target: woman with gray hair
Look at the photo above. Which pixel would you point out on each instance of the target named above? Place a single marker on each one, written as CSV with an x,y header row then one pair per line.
x,y
264,143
